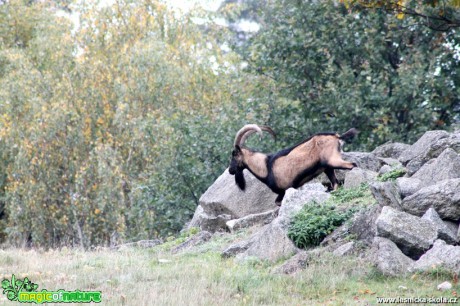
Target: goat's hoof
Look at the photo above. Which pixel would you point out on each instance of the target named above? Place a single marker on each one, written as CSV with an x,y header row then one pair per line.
x,y
278,203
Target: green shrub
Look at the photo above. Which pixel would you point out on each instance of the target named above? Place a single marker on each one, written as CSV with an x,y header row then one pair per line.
x,y
392,175
314,222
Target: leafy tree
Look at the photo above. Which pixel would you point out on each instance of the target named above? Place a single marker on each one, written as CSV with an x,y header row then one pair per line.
x,y
390,78
437,15
112,131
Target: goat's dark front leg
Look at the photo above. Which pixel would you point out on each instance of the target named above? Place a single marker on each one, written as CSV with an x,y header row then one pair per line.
x,y
279,198
331,176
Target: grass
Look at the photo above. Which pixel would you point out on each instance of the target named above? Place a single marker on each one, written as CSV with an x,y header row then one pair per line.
x,y
135,276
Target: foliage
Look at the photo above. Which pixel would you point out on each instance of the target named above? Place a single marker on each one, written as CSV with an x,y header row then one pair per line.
x,y
438,15
347,195
390,78
314,222
392,175
111,131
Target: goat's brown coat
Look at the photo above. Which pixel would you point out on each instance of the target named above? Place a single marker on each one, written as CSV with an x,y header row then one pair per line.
x,y
291,167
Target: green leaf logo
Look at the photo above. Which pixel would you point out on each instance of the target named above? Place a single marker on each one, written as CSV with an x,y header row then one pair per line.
x,y
12,288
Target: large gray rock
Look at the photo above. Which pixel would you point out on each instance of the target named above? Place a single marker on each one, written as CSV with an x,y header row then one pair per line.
x,y
271,241
432,148
407,186
358,176
386,193
363,225
224,201
252,220
295,264
446,232
193,241
445,166
345,249
364,160
441,255
389,259
411,234
390,150
419,148
444,197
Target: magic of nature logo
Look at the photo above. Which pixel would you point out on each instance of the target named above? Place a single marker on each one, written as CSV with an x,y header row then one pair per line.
x,y
24,291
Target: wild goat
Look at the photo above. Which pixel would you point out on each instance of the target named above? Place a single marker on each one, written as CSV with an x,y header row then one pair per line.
x,y
291,167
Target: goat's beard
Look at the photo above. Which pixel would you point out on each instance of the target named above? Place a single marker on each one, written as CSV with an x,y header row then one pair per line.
x,y
239,179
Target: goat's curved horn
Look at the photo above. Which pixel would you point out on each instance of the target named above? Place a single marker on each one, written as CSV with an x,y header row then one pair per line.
x,y
248,130
268,129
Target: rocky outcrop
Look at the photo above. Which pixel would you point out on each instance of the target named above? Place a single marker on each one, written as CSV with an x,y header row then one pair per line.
x,y
252,220
389,259
193,241
414,226
445,166
447,231
386,194
390,150
271,242
224,201
444,197
441,255
413,235
358,176
419,153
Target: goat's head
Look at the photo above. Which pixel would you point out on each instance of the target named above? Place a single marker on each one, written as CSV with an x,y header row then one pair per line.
x,y
237,164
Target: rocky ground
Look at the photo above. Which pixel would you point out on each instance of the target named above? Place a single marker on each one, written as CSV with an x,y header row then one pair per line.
x,y
413,225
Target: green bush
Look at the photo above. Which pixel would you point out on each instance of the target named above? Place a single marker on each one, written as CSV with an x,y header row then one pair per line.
x,y
392,175
314,222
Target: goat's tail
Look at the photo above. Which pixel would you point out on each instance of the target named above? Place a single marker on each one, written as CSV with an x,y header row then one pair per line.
x,y
349,135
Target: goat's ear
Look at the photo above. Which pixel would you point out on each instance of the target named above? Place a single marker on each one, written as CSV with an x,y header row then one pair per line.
x,y
237,149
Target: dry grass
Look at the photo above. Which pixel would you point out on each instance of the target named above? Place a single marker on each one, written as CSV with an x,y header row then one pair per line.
x,y
201,277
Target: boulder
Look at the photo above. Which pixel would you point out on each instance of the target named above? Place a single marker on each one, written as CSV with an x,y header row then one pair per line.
x,y
385,169
411,234
358,176
390,150
441,255
271,241
407,186
389,259
236,248
419,148
386,193
363,225
445,166
345,249
444,197
294,264
252,220
445,231
364,160
224,201
193,241
431,149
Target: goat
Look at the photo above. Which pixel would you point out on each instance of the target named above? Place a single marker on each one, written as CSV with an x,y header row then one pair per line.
x,y
290,167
